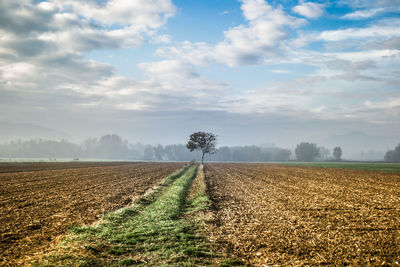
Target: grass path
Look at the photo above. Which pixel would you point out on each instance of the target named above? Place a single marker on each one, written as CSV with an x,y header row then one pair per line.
x,y
161,229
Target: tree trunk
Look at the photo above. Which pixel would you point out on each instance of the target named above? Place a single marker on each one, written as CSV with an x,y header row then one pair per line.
x,y
202,158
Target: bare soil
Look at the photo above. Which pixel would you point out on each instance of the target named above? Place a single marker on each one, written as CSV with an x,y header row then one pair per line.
x,y
6,167
273,215
39,205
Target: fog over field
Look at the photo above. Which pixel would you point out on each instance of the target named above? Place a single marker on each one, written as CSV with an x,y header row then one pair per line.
x,y
254,72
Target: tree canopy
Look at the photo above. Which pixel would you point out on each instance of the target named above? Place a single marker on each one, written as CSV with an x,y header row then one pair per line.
x,y
393,155
205,142
337,153
306,151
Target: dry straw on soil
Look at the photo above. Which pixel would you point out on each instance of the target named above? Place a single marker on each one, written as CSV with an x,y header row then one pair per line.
x,y
281,215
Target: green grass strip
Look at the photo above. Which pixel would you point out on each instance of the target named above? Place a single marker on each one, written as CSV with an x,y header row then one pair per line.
x,y
155,234
119,216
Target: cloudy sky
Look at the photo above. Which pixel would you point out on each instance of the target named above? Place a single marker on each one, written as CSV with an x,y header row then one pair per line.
x,y
154,71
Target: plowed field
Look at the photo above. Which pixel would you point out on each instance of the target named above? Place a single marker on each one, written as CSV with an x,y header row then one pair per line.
x,y
40,166
38,205
285,215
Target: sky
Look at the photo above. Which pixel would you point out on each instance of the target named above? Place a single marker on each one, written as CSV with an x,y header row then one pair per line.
x,y
154,71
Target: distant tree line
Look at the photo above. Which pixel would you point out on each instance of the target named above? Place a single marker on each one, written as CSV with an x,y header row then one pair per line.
x,y
110,147
39,149
113,147
251,154
311,152
393,155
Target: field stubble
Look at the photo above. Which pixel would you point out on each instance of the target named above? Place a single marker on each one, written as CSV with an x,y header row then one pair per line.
x,y
38,206
283,215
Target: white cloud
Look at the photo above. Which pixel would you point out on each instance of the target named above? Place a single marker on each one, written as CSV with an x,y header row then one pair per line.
x,y
249,44
363,14
78,26
281,71
336,72
374,31
320,98
169,70
11,74
370,3
377,40
171,85
375,66
49,58
390,103
173,76
346,65
367,9
42,46
255,9
195,53
384,54
262,39
309,9
132,106
284,98
319,109
139,14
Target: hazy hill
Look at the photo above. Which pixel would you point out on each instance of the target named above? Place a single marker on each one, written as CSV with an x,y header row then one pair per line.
x,y
357,144
15,131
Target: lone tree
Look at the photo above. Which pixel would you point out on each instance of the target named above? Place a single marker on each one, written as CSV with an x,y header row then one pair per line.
x,y
306,151
205,142
337,153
